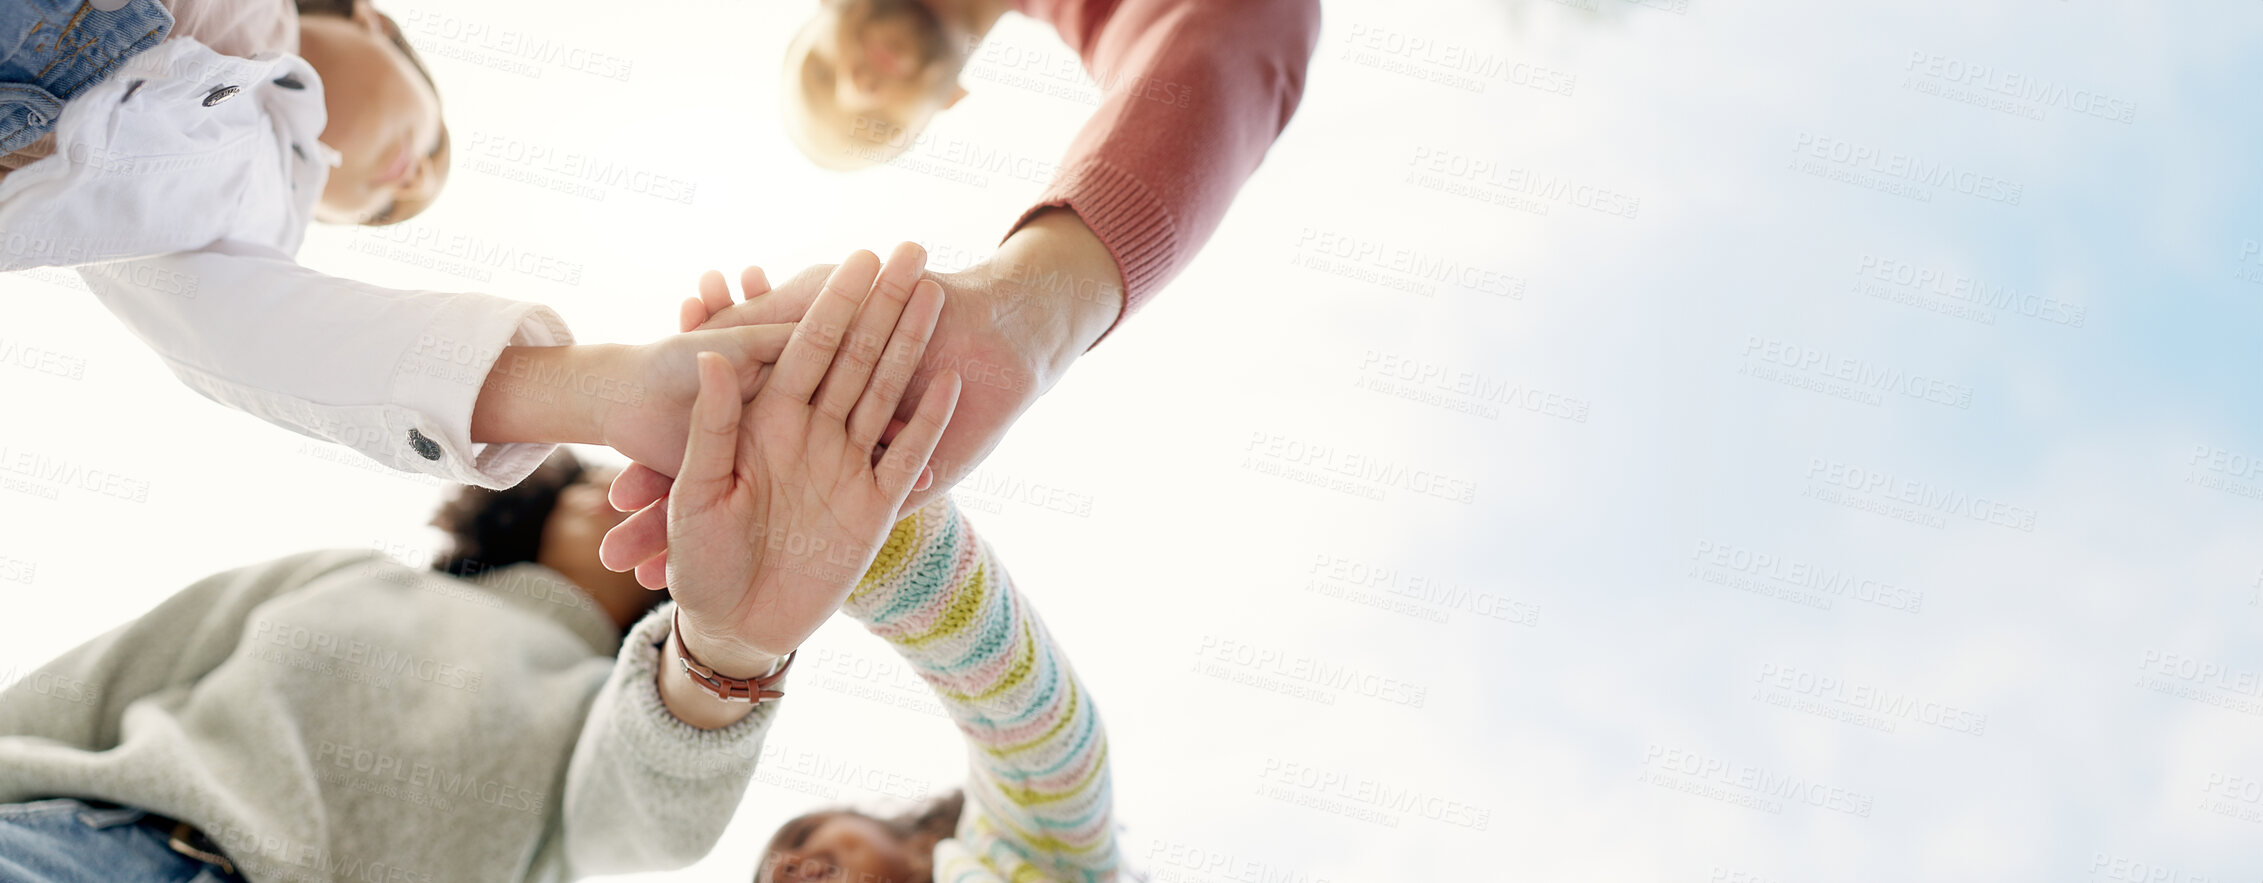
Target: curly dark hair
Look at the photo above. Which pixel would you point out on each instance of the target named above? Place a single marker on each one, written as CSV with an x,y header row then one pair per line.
x,y
488,529
934,821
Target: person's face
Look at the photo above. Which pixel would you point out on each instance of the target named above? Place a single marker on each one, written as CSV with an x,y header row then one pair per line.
x,y
570,538
384,120
887,64
849,849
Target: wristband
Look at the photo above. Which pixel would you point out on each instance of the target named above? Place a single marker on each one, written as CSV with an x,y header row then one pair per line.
x,y
753,691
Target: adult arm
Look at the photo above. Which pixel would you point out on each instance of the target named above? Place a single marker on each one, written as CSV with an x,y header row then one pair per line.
x,y
1038,791
463,386
79,699
1196,91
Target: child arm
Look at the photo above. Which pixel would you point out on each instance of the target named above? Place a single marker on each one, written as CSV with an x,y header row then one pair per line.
x,y
1039,797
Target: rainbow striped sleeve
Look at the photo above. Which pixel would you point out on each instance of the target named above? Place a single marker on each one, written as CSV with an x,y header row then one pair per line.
x,y
1039,806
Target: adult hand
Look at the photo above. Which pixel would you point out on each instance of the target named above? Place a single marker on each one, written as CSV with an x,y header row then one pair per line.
x,y
1011,326
780,505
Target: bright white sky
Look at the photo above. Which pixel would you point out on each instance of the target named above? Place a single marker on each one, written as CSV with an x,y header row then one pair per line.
x,y
1571,566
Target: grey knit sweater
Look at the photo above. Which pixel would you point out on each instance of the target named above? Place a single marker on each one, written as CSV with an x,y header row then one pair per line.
x,y
339,716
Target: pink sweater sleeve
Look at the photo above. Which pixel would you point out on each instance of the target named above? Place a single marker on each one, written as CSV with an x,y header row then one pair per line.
x,y
1195,91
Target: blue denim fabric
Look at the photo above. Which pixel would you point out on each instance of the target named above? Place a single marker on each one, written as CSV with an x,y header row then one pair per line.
x,y
51,49
67,841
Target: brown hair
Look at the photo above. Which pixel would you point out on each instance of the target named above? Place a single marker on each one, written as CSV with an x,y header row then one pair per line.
x,y
488,529
936,820
345,9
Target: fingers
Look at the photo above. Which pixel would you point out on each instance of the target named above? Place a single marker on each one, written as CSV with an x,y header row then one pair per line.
x,y
713,442
636,487
905,347
749,349
653,574
690,314
903,464
765,306
713,294
845,382
639,538
819,333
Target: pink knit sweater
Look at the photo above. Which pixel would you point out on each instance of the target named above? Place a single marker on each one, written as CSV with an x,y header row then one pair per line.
x,y
1195,91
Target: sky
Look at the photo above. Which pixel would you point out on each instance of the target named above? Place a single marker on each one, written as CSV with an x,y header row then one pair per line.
x,y
1607,440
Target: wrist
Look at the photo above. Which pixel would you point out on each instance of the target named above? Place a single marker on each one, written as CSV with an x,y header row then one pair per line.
x,y
728,657
531,394
1056,275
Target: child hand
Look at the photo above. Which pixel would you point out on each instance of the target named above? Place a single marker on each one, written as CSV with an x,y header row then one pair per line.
x,y
779,505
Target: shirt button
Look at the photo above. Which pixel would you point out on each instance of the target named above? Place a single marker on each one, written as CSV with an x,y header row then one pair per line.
x,y
221,94
425,447
289,82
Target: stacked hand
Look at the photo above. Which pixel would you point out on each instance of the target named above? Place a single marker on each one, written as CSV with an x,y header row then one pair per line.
x,y
781,503
1009,333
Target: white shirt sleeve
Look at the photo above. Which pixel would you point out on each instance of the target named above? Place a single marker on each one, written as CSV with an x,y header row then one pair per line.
x,y
392,374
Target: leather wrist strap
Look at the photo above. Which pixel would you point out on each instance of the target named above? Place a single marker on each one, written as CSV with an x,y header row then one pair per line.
x,y
753,691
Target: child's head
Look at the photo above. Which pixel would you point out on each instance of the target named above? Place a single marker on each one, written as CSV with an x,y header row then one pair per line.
x,y
847,846
384,114
864,77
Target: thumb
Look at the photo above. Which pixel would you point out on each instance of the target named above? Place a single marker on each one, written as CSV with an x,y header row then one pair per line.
x,y
713,442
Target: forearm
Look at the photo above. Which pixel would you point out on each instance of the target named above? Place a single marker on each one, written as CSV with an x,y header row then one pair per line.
x,y
392,374
1038,750
1056,283
545,394
1201,91
648,789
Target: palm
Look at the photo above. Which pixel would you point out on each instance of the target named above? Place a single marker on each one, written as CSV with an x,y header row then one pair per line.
x,y
781,505
808,511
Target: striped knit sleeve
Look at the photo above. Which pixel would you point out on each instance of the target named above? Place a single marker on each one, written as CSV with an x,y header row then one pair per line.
x,y
1039,805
